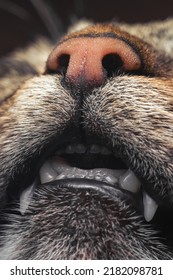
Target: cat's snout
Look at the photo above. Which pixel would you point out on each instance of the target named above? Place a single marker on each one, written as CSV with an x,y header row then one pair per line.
x,y
91,60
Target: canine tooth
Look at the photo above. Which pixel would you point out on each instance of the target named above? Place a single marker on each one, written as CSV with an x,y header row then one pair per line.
x,y
129,181
70,149
150,207
26,196
105,151
80,149
94,149
47,173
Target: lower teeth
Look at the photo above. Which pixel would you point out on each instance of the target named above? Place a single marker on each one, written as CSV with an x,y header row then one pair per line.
x,y
57,168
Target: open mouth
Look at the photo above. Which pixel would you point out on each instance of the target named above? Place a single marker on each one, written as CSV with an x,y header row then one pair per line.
x,y
91,163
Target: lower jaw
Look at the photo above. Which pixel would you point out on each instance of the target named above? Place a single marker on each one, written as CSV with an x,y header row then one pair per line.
x,y
163,229
116,185
80,201
160,223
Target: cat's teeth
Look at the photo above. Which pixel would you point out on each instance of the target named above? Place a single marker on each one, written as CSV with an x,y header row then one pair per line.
x,y
150,207
111,179
61,176
57,168
129,181
26,196
95,149
47,173
80,149
70,149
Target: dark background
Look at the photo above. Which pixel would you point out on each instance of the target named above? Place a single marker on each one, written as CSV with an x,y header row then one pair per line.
x,y
22,20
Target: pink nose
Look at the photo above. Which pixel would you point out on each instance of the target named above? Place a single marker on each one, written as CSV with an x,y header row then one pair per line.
x,y
92,59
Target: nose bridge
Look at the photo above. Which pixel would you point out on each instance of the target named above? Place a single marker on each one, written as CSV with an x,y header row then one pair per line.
x,y
86,55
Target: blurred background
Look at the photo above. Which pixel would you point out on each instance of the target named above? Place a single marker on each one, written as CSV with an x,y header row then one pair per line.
x,y
22,20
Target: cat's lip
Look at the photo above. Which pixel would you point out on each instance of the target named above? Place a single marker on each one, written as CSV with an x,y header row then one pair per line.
x,y
82,184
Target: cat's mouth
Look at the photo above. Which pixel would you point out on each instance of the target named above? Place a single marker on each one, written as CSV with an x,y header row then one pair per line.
x,y
91,165
95,166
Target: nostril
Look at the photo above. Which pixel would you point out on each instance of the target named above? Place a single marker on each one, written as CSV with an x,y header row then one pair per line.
x,y
63,62
112,63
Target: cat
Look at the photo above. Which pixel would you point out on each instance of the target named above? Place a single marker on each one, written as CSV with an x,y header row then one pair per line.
x,y
86,145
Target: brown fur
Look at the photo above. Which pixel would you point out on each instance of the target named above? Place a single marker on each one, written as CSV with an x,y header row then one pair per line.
x,y
132,113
